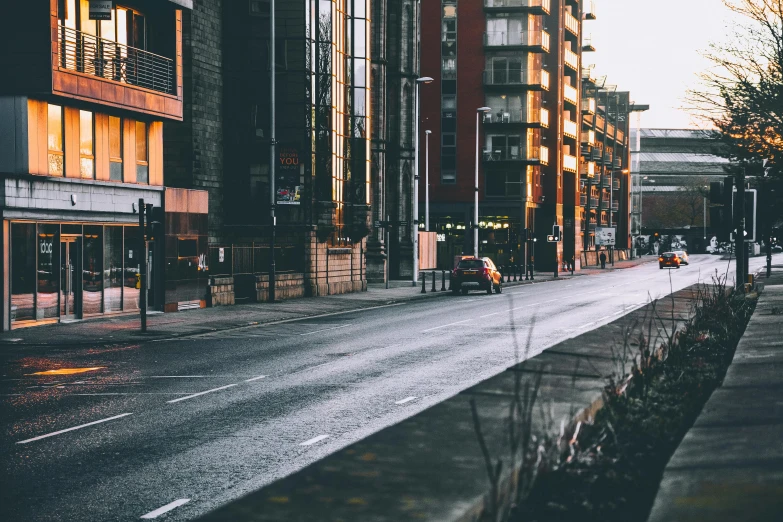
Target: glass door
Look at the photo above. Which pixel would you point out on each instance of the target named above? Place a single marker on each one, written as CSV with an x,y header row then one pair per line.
x,y
70,277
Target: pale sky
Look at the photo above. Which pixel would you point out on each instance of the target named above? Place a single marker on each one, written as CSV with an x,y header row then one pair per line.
x,y
652,50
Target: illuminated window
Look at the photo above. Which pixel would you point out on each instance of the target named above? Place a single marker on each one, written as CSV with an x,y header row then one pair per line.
x,y
115,148
86,145
142,148
55,140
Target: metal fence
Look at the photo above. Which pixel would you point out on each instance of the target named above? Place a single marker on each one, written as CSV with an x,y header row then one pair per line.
x,y
232,260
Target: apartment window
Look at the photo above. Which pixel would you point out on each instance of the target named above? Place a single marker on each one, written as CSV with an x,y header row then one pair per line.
x,y
115,148
142,148
55,140
86,145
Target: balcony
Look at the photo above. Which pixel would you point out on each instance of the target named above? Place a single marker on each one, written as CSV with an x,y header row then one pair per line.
x,y
596,154
605,182
593,181
588,138
593,202
503,116
587,169
583,200
571,24
617,163
588,105
512,153
616,184
530,40
587,74
545,155
604,204
543,118
620,136
589,10
587,44
570,94
533,80
571,59
570,129
570,163
531,6
615,206
93,56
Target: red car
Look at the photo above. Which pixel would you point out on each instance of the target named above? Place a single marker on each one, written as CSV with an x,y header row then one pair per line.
x,y
669,259
476,274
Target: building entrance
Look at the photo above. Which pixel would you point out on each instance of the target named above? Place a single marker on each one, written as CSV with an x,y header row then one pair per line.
x,y
70,282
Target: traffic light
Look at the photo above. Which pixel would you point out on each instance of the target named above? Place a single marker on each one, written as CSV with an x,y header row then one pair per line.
x,y
556,232
721,208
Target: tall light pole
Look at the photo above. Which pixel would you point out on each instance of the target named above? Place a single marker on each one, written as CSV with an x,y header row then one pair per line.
x,y
479,112
419,81
641,199
272,160
427,181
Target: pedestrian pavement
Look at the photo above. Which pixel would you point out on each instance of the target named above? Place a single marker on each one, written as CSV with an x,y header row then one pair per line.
x,y
729,466
120,329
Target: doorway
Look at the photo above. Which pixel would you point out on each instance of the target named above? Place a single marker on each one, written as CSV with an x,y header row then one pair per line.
x,y
70,277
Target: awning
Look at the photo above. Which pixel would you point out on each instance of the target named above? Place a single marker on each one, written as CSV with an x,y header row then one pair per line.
x,y
187,4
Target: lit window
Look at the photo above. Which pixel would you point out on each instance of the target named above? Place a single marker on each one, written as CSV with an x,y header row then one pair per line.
x,y
115,148
142,160
86,145
55,140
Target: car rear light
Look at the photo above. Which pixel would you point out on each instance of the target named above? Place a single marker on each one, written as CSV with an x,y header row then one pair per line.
x,y
486,272
660,259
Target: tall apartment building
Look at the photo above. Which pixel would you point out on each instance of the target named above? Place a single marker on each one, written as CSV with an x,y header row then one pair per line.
x,y
82,105
521,59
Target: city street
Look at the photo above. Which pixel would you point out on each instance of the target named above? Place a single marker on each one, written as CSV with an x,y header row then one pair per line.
x,y
178,427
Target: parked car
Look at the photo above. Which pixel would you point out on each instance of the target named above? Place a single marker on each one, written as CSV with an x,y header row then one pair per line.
x,y
668,259
683,255
473,273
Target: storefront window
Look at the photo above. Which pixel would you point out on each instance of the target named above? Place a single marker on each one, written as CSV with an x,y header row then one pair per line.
x,y
48,276
112,274
131,279
22,271
92,273
55,140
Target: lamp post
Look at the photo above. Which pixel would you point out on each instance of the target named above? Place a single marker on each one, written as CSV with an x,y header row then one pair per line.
x,y
419,81
641,199
479,112
427,181
272,160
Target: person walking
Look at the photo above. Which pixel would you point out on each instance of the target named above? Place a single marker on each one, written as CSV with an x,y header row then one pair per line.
x,y
603,260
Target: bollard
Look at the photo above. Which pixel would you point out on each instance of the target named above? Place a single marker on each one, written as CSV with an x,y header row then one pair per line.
x,y
443,282
424,282
433,281
514,272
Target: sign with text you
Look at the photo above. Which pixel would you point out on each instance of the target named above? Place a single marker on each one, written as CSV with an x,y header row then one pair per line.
x,y
101,9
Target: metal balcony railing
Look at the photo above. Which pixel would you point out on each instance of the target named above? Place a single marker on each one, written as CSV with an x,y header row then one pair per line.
x,y
88,54
519,77
587,169
593,202
615,205
588,105
606,182
570,94
589,10
570,129
517,38
545,155
588,137
583,200
570,163
571,23
616,184
512,153
542,4
571,59
617,163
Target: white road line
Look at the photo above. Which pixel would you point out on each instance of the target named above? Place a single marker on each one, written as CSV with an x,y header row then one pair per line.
x,y
200,393
445,326
406,399
586,325
312,441
165,509
255,378
176,376
74,428
326,329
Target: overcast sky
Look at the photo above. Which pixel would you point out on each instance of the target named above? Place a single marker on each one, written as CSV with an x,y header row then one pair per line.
x,y
652,50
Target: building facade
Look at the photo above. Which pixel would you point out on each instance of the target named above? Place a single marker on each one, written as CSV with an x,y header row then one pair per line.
x,y
81,144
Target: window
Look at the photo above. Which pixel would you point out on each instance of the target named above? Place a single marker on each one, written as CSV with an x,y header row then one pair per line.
x,y
115,148
86,145
142,160
55,140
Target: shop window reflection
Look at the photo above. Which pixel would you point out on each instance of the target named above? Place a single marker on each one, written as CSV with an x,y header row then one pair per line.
x,y
92,280
48,271
22,271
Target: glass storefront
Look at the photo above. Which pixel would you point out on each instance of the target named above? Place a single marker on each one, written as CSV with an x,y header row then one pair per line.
x,y
73,270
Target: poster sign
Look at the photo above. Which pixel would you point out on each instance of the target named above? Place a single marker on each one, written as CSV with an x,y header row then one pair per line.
x,y
287,176
605,236
221,255
101,9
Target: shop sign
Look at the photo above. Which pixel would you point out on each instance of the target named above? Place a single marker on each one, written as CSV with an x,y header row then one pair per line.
x,y
287,177
101,9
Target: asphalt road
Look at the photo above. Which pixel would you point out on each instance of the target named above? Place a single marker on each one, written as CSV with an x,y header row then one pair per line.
x,y
179,427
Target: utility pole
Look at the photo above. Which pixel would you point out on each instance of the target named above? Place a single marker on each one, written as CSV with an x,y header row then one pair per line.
x,y
739,222
142,267
272,150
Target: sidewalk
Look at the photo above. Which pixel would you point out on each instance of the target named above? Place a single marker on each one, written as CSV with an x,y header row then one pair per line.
x,y
729,466
126,328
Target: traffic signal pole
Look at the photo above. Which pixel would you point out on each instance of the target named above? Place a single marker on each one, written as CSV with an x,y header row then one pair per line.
x,y
142,267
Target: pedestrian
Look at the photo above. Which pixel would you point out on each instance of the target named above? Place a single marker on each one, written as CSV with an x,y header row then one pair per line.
x,y
573,263
603,260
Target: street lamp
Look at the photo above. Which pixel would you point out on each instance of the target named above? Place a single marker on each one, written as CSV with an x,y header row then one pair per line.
x,y
415,224
479,112
427,181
